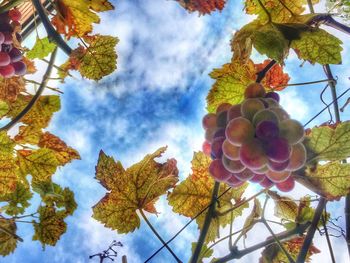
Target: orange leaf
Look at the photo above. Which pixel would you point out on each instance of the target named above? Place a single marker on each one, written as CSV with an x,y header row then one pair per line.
x,y
203,6
275,79
10,88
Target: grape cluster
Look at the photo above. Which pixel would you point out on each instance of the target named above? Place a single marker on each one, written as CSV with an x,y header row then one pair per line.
x,y
255,140
10,57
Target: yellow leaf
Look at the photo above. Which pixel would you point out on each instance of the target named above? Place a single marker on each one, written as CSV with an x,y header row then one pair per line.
x,y
231,82
101,5
193,195
135,188
28,134
10,88
8,242
285,207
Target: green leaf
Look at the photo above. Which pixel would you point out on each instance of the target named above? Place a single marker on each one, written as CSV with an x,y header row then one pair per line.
x,y
18,200
8,242
231,82
41,49
6,144
331,180
41,163
100,58
268,40
8,174
318,46
50,227
205,252
4,108
329,143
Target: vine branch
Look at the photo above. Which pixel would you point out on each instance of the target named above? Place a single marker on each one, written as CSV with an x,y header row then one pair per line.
x,y
50,30
261,74
35,98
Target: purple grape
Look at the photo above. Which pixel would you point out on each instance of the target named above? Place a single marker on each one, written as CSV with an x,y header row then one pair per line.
x,y
20,68
6,48
278,167
6,28
234,182
15,55
8,38
278,177
257,178
234,112
216,148
277,149
2,38
221,119
230,151
7,71
218,171
267,130
273,95
245,175
219,133
4,59
209,121
287,185
4,17
232,166
266,183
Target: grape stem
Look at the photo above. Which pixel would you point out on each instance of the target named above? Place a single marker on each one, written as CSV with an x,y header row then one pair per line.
x,y
4,230
261,74
50,30
35,98
158,236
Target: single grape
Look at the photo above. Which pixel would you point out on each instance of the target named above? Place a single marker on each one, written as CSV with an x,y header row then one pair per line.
x,y
218,171
206,148
239,130
216,147
223,107
6,48
291,130
271,103
266,183
265,115
245,175
254,90
230,151
287,185
4,17
221,119
6,28
219,133
234,112
209,134
261,170
252,155
7,71
4,59
20,68
266,130
232,166
209,121
2,38
257,178
273,95
277,149
250,107
280,113
234,182
15,55
297,158
15,14
278,167
8,38
278,177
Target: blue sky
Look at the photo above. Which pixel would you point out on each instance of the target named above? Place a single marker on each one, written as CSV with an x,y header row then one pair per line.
x,y
156,98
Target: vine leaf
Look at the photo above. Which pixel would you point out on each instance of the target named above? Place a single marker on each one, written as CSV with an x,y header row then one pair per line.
x,y
17,200
101,5
318,46
10,88
275,79
4,108
205,252
331,180
95,62
285,207
137,187
64,154
280,12
8,242
203,6
41,164
28,134
41,113
274,254
8,168
329,143
75,18
50,227
41,49
231,82
250,220
193,195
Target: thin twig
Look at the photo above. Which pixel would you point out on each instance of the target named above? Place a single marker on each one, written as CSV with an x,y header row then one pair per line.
x,y
327,237
158,236
261,74
35,98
